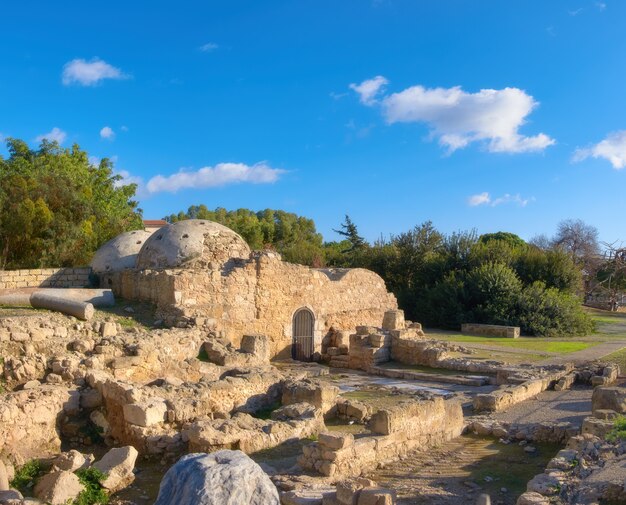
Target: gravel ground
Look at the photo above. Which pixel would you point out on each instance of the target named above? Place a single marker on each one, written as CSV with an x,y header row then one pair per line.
x,y
571,405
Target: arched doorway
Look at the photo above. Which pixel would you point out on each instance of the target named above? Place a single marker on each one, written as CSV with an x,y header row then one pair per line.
x,y
302,346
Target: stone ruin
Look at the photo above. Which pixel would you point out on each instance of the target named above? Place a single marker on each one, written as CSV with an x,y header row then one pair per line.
x,y
207,379
201,273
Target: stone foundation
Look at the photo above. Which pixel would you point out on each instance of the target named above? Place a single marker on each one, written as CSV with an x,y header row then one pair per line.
x,y
491,330
398,430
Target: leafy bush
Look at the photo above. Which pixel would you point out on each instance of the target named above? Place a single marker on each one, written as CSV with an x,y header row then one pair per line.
x,y
492,289
548,312
618,432
93,493
26,476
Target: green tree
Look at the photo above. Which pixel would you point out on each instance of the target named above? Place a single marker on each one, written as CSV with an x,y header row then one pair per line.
x,y
350,232
56,208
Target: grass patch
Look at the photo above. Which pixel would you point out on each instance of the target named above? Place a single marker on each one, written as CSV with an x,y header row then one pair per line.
x,y
127,322
529,343
93,493
618,357
26,476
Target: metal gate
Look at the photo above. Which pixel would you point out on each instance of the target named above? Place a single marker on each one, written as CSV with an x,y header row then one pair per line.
x,y
302,347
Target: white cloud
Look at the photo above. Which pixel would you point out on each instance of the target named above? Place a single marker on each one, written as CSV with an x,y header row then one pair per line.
x,y
107,133
369,88
209,47
458,118
89,73
479,199
575,12
612,149
485,199
2,137
601,6
124,128
54,135
219,175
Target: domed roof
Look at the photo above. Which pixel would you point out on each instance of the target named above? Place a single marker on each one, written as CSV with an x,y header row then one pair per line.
x,y
192,243
120,252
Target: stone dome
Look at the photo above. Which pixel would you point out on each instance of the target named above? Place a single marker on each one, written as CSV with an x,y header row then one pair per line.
x,y
120,252
192,243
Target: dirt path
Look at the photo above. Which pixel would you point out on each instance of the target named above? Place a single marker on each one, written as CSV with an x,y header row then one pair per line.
x,y
458,471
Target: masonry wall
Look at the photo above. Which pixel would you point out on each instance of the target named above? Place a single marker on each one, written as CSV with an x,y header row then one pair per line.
x,y
45,278
260,295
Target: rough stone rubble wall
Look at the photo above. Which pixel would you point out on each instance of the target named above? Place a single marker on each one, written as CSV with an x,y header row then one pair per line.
x,y
29,421
399,430
45,278
259,295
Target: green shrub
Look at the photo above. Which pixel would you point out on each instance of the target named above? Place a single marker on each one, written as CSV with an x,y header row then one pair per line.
x,y
492,289
548,312
93,493
27,475
618,432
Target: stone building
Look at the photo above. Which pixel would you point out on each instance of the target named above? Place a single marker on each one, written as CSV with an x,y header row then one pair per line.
x,y
200,272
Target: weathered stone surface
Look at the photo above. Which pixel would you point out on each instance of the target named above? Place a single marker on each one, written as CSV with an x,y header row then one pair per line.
x,y
319,394
393,320
220,478
4,477
192,242
71,461
532,498
118,464
57,488
544,484
120,252
11,497
491,330
145,413
257,345
611,398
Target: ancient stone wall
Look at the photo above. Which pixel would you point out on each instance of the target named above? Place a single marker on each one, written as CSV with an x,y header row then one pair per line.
x,y
45,278
29,421
397,430
491,330
260,295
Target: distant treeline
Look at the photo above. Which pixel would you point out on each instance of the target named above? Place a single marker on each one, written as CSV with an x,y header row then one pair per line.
x,y
440,280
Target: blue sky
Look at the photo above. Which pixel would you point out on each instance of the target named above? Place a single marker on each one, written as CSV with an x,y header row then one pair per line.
x,y
494,115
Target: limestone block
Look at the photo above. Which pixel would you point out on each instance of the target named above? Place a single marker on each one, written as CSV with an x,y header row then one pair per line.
x,y
108,329
393,320
376,496
58,488
145,413
118,464
545,484
257,345
71,461
532,498
335,440
598,427
612,398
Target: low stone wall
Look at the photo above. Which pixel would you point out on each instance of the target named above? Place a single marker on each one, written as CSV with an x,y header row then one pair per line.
x,y
30,421
397,430
504,398
45,278
491,330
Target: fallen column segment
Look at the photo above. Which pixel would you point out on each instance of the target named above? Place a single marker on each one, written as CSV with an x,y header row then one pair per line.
x,y
81,310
